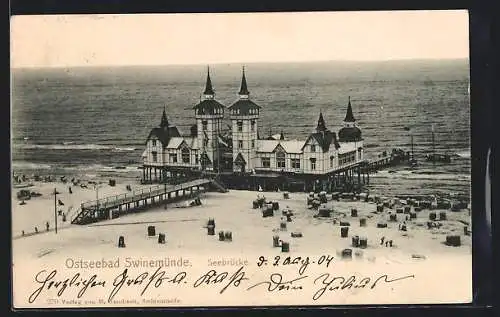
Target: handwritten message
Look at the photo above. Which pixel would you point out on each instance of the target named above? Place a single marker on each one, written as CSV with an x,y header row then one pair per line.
x,y
314,277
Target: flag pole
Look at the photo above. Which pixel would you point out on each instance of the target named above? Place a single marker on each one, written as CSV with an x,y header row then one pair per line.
x,y
55,209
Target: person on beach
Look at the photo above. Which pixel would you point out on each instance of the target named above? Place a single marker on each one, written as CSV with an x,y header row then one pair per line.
x,y
382,240
70,191
390,243
36,229
47,225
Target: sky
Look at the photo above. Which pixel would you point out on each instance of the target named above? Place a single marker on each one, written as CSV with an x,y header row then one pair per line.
x,y
172,39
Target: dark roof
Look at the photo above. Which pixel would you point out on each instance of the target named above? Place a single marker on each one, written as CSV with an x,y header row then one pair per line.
x,y
164,120
325,139
239,159
244,89
244,106
350,134
321,123
349,117
208,85
208,106
164,134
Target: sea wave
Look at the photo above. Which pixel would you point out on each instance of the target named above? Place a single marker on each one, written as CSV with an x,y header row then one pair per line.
x,y
421,175
124,149
463,154
64,146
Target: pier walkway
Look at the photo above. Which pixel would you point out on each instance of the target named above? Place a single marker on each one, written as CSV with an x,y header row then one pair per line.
x,y
114,206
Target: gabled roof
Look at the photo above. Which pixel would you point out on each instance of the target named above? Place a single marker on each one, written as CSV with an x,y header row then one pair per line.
x,y
290,146
175,142
164,134
324,139
239,159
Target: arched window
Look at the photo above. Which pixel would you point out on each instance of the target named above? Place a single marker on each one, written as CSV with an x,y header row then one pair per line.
x,y
280,160
185,156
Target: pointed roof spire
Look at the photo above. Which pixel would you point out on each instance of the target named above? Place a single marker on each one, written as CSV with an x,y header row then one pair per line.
x,y
244,90
164,120
282,135
321,123
208,86
349,117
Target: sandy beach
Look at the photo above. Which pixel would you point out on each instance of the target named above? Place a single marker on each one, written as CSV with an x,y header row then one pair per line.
x,y
418,248
233,211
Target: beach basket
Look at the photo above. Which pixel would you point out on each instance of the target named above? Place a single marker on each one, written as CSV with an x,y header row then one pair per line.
x,y
407,209
381,225
380,208
221,236
285,247
112,182
453,240
355,241
442,215
347,254
432,216
151,231
211,230
289,218
418,209
362,222
344,232
354,212
324,212
296,234
393,217
228,236
363,243
121,242
276,205
399,210
255,204
413,215
161,238
286,195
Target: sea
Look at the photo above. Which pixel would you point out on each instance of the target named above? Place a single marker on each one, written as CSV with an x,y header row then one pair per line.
x,y
92,122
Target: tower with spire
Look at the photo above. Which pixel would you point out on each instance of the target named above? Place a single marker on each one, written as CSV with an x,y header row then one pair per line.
x,y
350,132
209,114
244,115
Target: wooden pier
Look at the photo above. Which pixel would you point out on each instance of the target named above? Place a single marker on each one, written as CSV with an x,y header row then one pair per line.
x,y
115,206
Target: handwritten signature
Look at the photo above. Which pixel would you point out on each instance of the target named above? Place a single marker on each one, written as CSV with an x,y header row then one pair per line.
x,y
341,282
275,282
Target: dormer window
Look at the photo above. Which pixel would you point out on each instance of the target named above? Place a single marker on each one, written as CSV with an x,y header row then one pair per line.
x,y
313,148
154,142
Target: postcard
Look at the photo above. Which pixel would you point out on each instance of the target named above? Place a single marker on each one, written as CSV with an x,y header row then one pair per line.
x,y
257,159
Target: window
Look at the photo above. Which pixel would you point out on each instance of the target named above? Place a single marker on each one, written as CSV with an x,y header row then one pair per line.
x,y
266,162
313,148
332,159
205,124
313,164
253,144
239,124
185,156
154,142
173,157
252,125
280,160
295,163
196,160
155,156
240,144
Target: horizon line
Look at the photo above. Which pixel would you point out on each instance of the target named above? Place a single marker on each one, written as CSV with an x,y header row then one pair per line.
x,y
247,63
